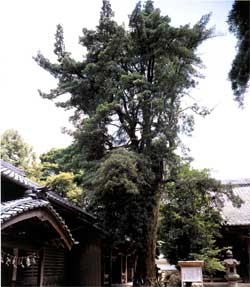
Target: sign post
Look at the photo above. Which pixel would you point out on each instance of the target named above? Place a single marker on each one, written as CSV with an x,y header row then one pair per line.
x,y
191,272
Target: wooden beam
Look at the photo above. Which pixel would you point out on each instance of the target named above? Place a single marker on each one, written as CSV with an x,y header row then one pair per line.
x,y
6,242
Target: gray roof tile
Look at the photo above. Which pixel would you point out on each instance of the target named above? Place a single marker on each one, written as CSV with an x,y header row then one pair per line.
x,y
234,216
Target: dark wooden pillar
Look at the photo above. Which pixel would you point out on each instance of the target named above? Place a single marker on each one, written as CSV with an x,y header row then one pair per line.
x,y
111,266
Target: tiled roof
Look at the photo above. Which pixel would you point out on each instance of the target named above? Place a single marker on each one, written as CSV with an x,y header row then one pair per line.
x,y
14,208
16,175
234,216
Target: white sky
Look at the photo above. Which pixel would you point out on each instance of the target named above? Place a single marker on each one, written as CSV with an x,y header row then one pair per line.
x,y
220,141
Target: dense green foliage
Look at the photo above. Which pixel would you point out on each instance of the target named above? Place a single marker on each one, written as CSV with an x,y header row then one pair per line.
x,y
128,92
239,24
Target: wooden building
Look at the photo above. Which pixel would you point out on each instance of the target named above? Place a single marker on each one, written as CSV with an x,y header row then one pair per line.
x,y
46,240
236,227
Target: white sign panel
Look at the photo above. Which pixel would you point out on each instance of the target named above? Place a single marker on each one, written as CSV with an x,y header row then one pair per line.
x,y
191,274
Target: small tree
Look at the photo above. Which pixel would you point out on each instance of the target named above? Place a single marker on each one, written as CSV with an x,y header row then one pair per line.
x,y
190,216
212,259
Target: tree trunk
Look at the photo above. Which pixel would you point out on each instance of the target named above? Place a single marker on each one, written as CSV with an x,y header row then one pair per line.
x,y
145,268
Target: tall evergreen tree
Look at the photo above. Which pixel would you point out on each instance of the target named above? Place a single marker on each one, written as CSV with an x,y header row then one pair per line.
x,y
127,93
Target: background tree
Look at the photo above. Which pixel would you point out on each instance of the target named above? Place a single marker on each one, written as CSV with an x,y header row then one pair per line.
x,y
20,154
15,150
63,184
127,93
58,160
239,24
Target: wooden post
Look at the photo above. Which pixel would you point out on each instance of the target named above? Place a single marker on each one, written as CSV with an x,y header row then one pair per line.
x,y
124,269
111,266
14,270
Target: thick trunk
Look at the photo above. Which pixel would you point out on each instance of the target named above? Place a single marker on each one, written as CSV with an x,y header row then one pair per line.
x,y
145,268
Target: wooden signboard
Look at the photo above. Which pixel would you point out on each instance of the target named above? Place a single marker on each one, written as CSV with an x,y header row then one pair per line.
x,y
191,271
191,274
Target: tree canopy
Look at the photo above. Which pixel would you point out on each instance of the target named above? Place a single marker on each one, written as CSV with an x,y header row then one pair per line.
x,y
239,24
128,89
128,93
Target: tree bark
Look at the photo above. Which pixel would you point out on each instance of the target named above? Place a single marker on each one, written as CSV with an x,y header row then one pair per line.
x,y
145,268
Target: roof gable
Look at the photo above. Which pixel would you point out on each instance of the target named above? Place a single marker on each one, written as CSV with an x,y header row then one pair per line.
x,y
22,209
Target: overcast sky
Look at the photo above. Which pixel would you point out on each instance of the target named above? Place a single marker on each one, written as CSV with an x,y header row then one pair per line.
x,y
220,142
